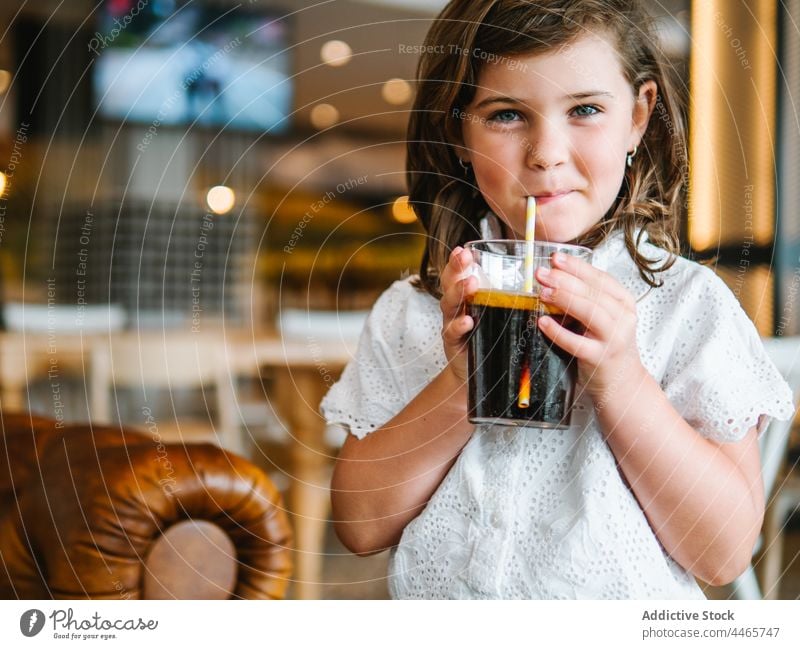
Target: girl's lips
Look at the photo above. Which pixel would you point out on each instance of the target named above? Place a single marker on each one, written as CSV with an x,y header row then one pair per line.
x,y
550,198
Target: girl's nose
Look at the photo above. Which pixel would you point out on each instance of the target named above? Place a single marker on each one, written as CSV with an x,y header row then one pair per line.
x,y
546,147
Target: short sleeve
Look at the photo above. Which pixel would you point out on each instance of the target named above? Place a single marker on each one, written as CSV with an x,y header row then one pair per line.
x,y
371,389
720,377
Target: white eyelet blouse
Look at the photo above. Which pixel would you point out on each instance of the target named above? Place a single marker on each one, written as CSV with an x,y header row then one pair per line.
x,y
545,514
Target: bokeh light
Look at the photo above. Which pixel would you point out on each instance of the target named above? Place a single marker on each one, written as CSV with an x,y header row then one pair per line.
x,y
402,212
220,199
5,80
396,91
324,116
336,53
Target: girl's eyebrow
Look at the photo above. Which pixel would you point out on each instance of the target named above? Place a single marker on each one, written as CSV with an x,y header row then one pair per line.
x,y
590,93
500,99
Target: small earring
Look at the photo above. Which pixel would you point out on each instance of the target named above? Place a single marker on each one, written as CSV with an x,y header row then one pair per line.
x,y
465,166
630,156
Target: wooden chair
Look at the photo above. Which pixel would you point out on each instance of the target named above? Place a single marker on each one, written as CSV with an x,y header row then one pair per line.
x,y
50,342
28,357
782,495
144,369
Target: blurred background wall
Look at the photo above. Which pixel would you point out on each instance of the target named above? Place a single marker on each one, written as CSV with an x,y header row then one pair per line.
x,y
118,117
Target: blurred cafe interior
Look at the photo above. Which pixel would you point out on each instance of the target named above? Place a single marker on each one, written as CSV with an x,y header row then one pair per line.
x,y
199,202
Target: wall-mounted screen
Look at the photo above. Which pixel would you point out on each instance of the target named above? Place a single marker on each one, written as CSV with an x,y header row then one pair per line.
x,y
184,62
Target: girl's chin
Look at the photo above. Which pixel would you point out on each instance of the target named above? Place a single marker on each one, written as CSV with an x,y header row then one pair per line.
x,y
563,234
554,235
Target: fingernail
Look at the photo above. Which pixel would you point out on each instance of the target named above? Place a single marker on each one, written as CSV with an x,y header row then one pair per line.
x,y
547,293
559,257
544,271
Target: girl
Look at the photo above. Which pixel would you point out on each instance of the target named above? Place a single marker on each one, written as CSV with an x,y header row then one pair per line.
x,y
658,479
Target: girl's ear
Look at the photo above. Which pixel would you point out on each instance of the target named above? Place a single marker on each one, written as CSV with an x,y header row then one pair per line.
x,y
643,106
459,146
463,153
461,150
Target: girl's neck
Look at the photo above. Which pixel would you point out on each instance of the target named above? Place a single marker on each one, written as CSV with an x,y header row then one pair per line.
x,y
508,233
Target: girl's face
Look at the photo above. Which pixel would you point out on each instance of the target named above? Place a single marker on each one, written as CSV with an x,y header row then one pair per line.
x,y
557,126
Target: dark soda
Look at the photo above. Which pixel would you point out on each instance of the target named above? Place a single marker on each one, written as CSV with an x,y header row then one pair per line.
x,y
517,375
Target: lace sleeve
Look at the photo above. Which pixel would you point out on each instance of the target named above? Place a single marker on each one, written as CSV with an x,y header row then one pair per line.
x,y
721,379
371,389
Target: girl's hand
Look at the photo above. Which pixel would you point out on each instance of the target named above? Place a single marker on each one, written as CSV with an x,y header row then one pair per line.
x,y
457,285
608,358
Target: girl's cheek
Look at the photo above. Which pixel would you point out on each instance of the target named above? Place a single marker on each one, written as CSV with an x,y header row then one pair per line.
x,y
493,178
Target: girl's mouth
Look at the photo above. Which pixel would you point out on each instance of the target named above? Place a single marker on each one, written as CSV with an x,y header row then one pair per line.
x,y
543,199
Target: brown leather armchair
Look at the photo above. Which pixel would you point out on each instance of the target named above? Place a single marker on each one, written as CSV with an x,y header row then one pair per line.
x,y
100,512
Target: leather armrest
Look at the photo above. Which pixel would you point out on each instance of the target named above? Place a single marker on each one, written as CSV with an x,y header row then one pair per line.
x,y
89,516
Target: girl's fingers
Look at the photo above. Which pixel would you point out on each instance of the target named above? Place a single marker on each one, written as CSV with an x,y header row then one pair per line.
x,y
601,311
458,267
454,331
559,281
581,347
598,282
454,298
599,320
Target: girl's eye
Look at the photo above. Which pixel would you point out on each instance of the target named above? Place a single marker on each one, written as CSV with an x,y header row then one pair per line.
x,y
585,110
504,116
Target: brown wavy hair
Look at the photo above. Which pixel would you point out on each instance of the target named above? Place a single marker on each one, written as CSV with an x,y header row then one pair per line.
x,y
448,202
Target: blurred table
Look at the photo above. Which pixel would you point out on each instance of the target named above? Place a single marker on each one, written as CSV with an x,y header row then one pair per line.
x,y
304,373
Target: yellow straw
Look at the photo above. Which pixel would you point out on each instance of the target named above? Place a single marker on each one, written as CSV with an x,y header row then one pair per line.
x,y
530,226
